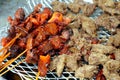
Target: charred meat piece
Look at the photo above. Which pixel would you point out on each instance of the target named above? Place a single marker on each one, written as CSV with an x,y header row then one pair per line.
x,y
45,47
19,14
57,42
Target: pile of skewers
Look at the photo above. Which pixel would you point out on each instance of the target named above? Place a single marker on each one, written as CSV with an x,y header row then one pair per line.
x,y
38,36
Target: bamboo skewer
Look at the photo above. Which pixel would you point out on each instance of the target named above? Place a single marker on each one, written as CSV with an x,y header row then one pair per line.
x,y
37,75
11,42
5,56
12,67
4,53
12,60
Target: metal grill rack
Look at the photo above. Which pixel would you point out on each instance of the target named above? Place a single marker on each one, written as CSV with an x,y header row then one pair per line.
x,y
29,71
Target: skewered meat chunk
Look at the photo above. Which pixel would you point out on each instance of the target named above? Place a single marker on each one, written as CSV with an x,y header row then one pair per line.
x,y
43,63
51,28
20,14
86,71
45,47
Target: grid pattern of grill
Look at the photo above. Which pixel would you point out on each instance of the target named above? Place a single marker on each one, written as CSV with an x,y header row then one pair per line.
x,y
29,71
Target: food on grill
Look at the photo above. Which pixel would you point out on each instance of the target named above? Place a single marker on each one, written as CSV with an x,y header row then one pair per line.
x,y
39,34
67,38
108,21
86,71
109,6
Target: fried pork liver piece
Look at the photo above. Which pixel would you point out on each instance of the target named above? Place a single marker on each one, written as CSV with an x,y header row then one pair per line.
x,y
88,25
59,6
88,9
97,58
86,71
107,21
109,6
60,64
110,69
71,64
117,54
114,40
100,48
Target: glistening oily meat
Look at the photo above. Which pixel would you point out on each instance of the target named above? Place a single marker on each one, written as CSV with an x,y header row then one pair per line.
x,y
41,32
68,38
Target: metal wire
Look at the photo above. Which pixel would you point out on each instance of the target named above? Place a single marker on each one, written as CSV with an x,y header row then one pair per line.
x,y
29,71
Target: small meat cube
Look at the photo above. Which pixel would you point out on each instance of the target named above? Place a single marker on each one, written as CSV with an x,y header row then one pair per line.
x,y
41,36
86,71
51,28
56,41
45,47
29,26
31,57
19,14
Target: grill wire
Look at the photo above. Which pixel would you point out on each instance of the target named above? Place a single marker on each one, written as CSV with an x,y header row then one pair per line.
x,y
29,71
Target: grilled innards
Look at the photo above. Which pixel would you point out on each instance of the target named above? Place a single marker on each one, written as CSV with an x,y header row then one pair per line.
x,y
68,34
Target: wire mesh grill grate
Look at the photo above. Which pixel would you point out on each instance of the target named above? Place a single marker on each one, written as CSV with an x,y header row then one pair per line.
x,y
29,71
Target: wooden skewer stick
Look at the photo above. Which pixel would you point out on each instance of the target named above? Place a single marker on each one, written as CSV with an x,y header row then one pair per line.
x,y
12,67
10,43
4,53
37,75
11,61
5,57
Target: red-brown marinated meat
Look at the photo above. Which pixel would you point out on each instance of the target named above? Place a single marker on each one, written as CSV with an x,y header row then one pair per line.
x,y
19,14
